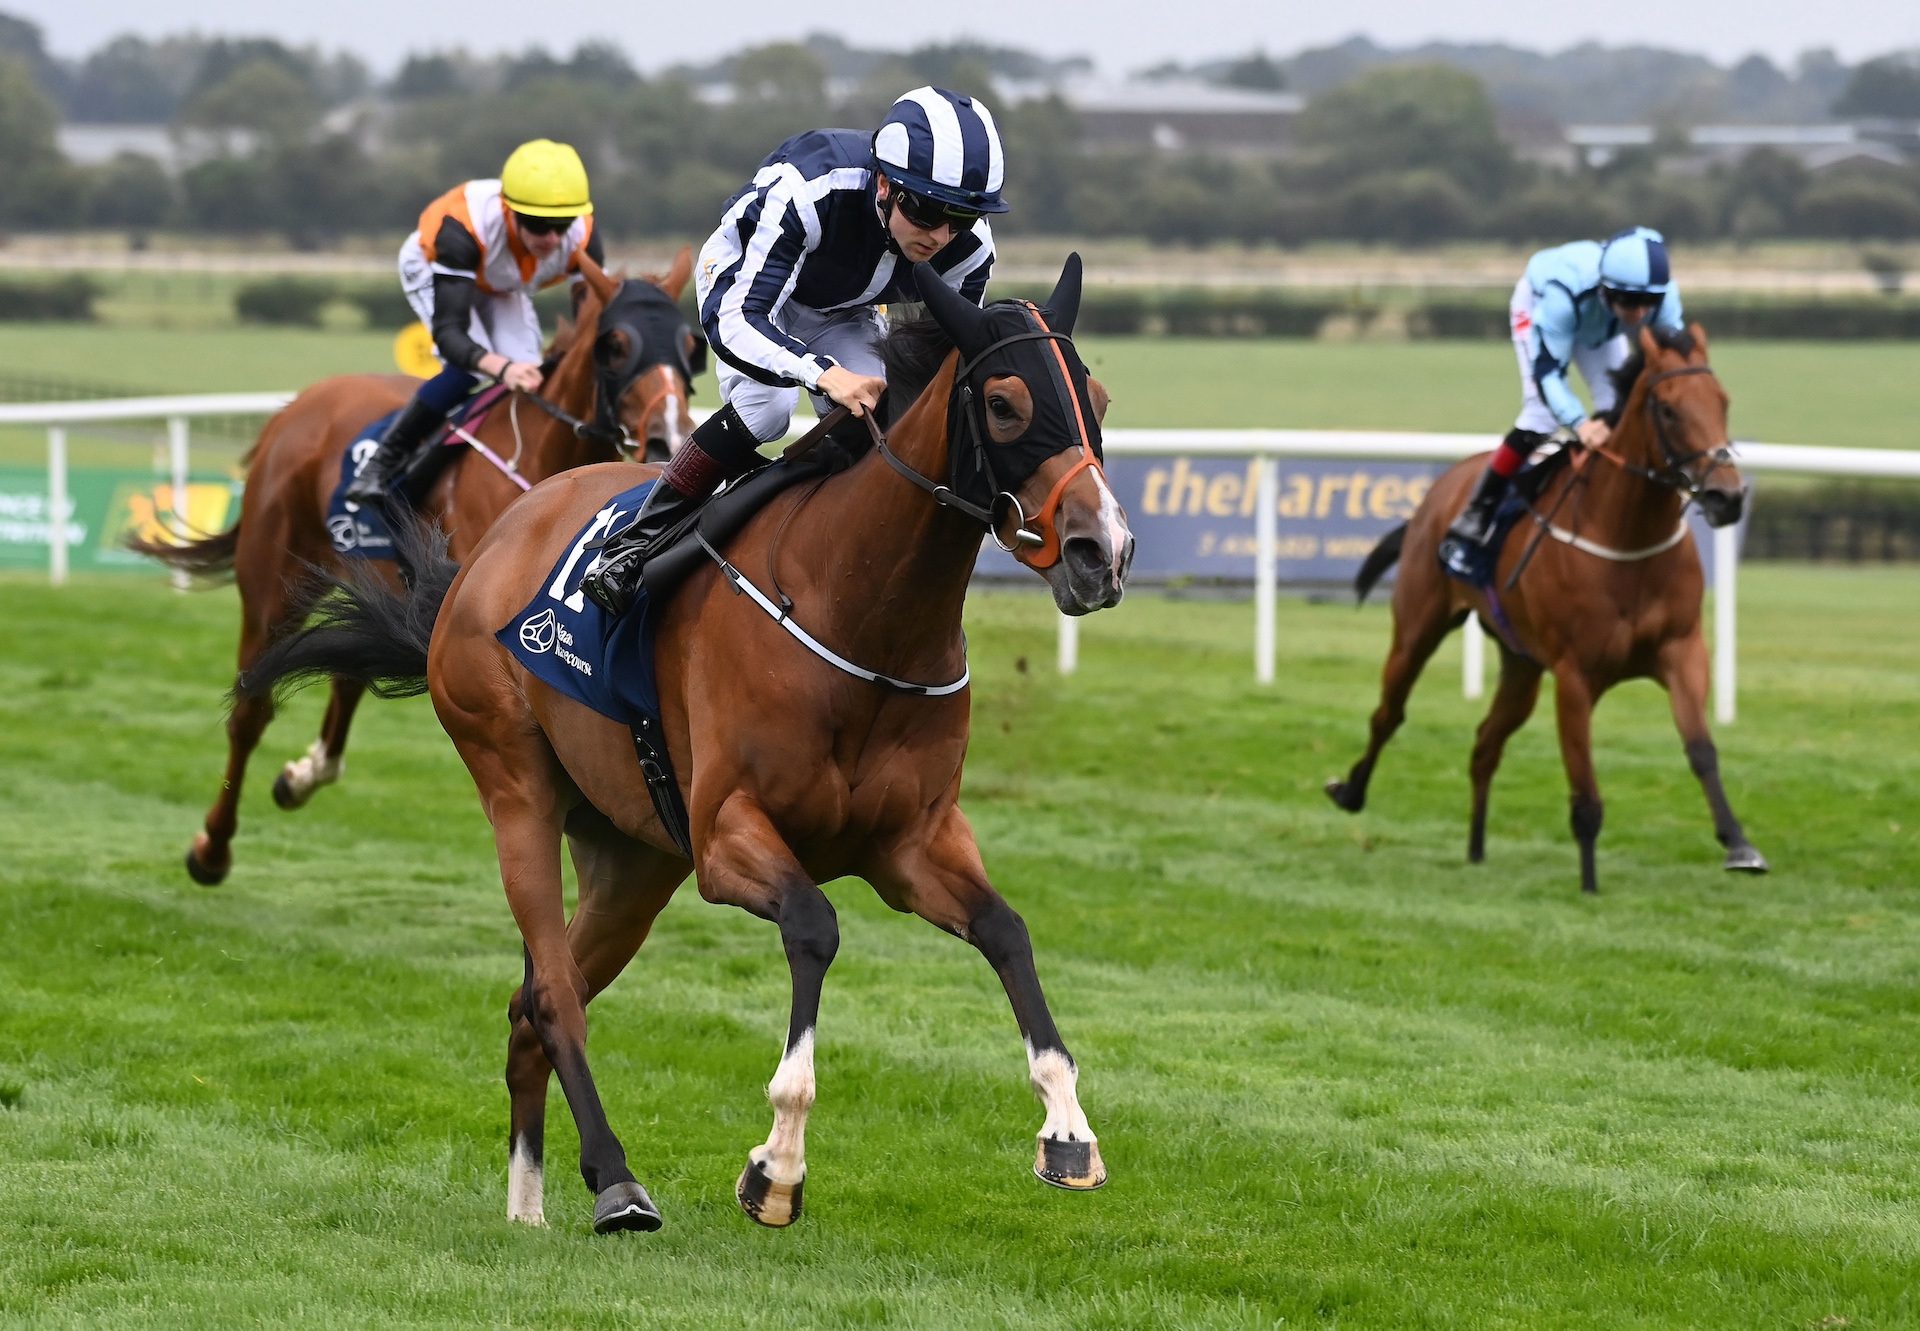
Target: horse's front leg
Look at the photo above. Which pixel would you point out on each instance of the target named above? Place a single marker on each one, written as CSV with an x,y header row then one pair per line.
x,y
1684,673
744,862
936,873
1573,706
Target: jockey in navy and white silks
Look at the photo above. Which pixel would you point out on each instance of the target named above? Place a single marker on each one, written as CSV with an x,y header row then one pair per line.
x,y
1574,307
790,283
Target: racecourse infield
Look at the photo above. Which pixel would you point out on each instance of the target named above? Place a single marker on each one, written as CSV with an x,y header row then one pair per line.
x,y
1341,1078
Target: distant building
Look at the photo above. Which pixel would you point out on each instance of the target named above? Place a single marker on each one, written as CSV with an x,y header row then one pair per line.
x,y
1174,114
1818,147
175,149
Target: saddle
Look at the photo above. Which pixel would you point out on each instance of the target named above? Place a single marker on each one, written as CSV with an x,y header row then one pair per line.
x,y
1529,483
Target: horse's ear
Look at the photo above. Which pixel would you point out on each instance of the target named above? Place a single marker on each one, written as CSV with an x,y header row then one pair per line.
x,y
958,317
1649,344
596,277
1064,303
562,335
675,281
1699,339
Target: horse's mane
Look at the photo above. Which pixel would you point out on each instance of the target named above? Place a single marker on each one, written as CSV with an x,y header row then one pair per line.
x,y
1624,378
913,351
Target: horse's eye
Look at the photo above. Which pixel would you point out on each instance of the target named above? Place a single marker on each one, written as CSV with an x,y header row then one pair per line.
x,y
1000,407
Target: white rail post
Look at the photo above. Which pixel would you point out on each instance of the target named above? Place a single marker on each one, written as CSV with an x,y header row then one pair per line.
x,y
1069,654
1726,560
177,457
57,505
1473,658
1266,567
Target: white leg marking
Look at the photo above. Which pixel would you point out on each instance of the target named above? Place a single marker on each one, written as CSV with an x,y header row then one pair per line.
x,y
525,1187
312,770
791,1091
1054,1079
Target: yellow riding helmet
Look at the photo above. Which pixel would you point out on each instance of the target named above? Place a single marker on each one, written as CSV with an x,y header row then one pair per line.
x,y
545,179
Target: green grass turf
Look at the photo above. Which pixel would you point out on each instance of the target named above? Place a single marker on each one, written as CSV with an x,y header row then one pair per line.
x,y
1341,1078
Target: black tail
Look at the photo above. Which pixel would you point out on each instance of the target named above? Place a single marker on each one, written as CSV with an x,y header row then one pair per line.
x,y
210,557
361,627
1381,558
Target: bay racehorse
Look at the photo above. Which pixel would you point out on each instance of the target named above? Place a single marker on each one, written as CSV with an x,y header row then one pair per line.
x,y
621,382
1610,590
795,769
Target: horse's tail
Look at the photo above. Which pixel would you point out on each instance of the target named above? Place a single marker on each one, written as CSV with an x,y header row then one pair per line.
x,y
1381,558
362,628
208,557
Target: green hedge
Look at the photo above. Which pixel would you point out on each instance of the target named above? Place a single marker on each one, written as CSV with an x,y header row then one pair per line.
x,y
1850,521
287,301
66,299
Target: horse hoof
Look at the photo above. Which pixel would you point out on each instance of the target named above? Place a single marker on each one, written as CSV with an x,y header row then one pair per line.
x,y
625,1206
1340,793
285,795
1745,859
1075,1166
205,869
775,1205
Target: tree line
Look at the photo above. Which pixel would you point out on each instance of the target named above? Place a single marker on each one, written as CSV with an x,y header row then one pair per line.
x,y
310,146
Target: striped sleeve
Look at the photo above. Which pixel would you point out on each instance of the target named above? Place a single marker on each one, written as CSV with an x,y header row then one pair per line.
x,y
970,273
1555,319
774,228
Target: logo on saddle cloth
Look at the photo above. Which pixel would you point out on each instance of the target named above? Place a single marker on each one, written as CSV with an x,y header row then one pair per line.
x,y
570,644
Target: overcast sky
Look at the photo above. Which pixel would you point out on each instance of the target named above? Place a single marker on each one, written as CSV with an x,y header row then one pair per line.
x,y
1120,35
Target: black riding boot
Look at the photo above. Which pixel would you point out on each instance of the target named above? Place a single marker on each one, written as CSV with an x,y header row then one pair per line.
x,y
720,449
409,429
1475,523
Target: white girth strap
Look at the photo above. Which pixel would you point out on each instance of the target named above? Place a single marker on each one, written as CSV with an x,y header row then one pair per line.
x,y
1579,542
819,649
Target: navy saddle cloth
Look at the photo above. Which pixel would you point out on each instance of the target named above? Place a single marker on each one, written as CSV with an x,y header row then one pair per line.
x,y
362,533
1528,482
571,644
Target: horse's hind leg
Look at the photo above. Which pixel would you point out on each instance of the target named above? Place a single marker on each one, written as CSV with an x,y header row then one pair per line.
x,y
624,884
1512,704
1684,672
937,874
520,788
211,854
1417,634
321,764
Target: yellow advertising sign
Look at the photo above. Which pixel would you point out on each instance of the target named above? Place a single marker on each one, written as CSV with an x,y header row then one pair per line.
x,y
413,351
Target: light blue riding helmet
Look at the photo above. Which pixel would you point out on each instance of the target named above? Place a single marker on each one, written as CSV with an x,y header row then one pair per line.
x,y
943,145
1636,260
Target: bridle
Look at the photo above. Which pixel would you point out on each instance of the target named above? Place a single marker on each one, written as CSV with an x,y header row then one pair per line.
x,y
1673,473
1004,503
611,382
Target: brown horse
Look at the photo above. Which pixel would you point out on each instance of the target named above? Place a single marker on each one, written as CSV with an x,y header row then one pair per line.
x,y
797,767
1612,594
629,387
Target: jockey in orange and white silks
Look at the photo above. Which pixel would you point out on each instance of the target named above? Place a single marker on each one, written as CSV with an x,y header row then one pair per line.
x,y
469,270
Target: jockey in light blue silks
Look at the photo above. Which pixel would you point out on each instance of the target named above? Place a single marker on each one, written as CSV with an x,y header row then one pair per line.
x,y
791,282
1576,305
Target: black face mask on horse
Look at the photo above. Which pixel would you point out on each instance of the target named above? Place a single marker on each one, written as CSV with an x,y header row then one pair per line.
x,y
1034,343
656,333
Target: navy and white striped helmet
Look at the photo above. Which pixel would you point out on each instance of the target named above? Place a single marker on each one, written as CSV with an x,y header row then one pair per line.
x,y
1636,260
943,145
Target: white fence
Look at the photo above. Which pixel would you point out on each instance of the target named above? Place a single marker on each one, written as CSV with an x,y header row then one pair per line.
x,y
1266,446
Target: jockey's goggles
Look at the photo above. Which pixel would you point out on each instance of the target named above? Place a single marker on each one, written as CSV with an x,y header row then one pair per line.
x,y
931,214
1639,300
545,226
